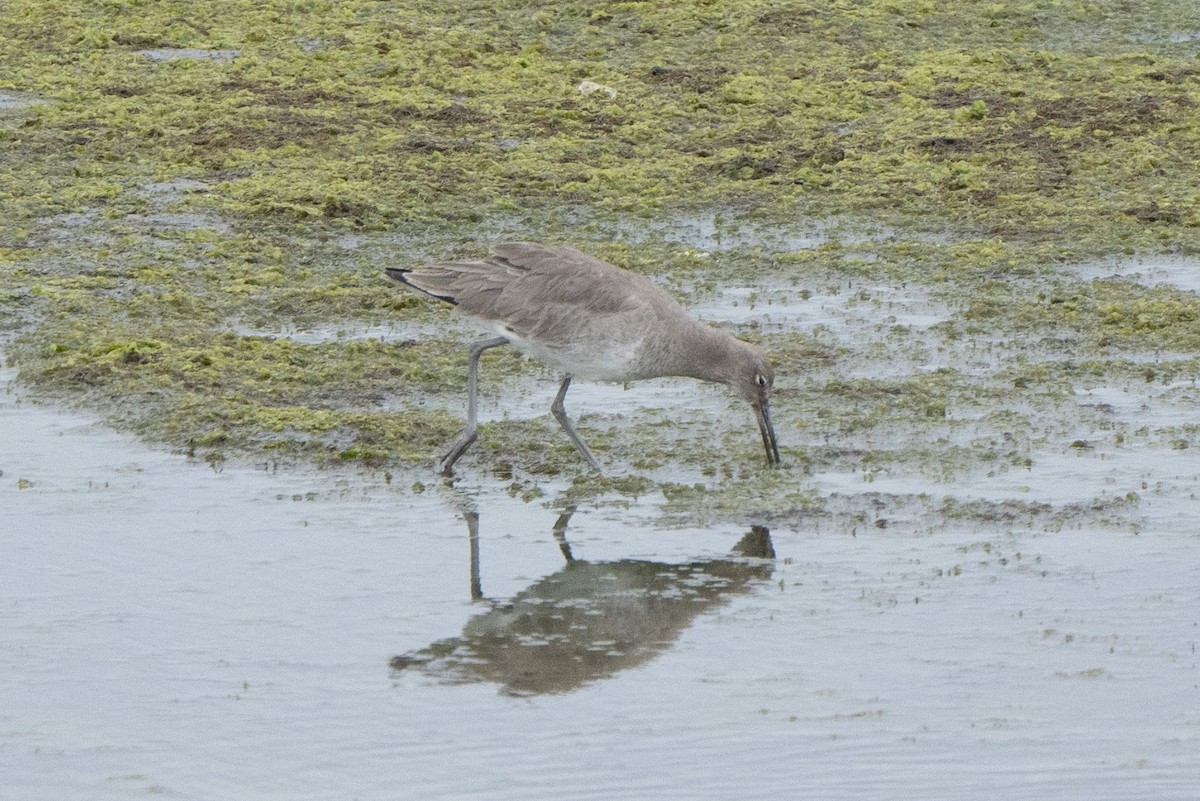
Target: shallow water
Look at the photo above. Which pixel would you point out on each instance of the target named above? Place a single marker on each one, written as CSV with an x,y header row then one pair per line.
x,y
17,100
194,633
1181,272
192,53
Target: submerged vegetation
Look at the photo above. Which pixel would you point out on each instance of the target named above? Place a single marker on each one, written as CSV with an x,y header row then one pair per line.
x,y
197,200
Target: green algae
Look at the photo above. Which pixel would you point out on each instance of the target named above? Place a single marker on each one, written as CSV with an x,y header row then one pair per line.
x,y
384,114
167,220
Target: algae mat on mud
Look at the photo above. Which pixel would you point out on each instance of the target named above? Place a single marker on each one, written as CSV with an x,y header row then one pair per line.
x,y
184,187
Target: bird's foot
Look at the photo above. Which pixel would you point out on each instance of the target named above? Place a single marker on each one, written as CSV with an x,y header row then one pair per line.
x,y
457,448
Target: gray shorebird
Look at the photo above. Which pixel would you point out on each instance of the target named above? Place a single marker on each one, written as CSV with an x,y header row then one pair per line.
x,y
591,319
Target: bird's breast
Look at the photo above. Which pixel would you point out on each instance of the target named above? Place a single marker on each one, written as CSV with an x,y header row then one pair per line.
x,y
595,358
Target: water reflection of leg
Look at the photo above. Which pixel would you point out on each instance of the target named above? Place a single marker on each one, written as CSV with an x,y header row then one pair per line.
x,y
470,513
560,533
472,518
464,503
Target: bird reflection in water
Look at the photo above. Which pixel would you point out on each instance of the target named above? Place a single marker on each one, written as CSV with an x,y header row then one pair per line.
x,y
589,620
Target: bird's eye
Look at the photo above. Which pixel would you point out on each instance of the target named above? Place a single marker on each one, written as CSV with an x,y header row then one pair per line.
x,y
761,379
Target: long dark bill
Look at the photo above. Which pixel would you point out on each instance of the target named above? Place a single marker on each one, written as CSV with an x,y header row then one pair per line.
x,y
763,414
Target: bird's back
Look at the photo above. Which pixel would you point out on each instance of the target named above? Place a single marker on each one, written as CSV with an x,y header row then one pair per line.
x,y
561,306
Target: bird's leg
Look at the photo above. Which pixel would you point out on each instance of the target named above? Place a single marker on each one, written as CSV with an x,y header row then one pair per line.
x,y
560,414
468,434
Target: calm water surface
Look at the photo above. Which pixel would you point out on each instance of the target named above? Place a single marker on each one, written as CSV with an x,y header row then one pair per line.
x,y
174,630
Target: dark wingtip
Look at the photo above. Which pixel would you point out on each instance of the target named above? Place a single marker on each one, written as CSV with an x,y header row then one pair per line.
x,y
400,274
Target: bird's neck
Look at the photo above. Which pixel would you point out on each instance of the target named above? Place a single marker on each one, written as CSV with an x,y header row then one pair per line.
x,y
711,355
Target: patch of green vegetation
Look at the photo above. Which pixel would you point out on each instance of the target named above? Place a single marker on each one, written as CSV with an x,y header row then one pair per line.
x,y
771,495
205,388
385,115
1106,315
1025,514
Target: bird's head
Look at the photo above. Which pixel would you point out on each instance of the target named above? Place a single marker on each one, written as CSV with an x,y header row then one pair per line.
x,y
754,379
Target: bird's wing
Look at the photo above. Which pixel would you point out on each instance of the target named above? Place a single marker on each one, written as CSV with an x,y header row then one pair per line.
x,y
531,288
564,278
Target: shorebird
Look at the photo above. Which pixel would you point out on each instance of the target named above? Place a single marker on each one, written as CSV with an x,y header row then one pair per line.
x,y
590,319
